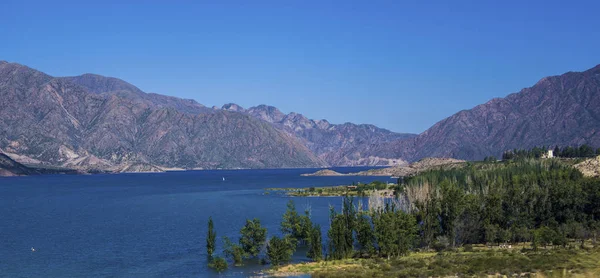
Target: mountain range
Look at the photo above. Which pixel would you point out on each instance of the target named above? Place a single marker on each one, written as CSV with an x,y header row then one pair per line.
x,y
559,110
96,123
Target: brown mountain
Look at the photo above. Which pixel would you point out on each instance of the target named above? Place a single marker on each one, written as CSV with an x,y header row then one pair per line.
x,y
319,136
102,85
559,110
324,138
96,123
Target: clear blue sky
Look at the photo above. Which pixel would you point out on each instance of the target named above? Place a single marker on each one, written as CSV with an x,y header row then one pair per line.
x,y
402,65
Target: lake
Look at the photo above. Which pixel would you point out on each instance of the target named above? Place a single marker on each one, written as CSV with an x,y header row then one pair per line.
x,y
144,225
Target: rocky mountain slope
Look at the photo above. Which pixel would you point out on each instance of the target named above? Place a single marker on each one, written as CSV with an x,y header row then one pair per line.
x,y
324,138
97,123
9,167
559,110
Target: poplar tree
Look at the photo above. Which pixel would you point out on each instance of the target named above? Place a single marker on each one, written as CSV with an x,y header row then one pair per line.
x,y
315,249
211,238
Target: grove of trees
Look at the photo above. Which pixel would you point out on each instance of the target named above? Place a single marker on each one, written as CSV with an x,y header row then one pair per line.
x,y
582,151
544,202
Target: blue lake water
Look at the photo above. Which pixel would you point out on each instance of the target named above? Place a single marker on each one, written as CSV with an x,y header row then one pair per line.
x,y
143,225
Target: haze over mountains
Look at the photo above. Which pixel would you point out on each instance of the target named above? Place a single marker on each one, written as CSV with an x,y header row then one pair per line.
x,y
98,123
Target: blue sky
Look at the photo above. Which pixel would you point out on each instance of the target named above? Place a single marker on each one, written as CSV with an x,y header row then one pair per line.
x,y
401,65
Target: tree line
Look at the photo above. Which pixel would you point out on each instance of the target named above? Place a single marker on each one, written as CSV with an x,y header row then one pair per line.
x,y
539,201
543,202
583,151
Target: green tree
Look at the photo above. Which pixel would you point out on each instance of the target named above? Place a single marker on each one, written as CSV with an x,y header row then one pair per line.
x,y
406,227
280,250
428,215
211,238
544,236
451,202
253,237
491,233
394,230
305,227
384,231
469,227
219,264
556,151
291,223
234,252
586,151
315,247
503,236
364,235
340,237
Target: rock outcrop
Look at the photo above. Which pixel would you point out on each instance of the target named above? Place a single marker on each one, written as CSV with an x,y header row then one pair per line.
x,y
589,167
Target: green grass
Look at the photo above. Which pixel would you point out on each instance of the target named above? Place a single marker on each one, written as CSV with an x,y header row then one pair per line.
x,y
478,263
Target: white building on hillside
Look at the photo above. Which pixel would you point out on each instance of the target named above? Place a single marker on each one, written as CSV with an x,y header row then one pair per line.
x,y
549,154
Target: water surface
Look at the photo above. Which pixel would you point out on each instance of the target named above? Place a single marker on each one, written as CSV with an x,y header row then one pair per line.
x,y
142,225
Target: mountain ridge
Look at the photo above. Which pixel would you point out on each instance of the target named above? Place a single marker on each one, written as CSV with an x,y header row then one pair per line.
x,y
557,110
324,138
68,125
97,123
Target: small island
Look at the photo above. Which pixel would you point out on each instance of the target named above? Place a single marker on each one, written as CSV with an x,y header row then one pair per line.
x,y
323,173
357,190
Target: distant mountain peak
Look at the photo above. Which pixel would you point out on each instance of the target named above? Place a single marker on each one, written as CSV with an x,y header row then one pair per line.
x,y
98,84
96,122
233,107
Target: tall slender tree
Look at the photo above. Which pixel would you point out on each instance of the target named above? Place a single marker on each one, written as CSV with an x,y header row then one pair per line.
x,y
364,234
451,202
211,238
315,248
291,223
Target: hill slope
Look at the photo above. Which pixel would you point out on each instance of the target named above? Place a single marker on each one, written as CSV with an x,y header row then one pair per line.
x,y
559,110
64,121
9,167
326,139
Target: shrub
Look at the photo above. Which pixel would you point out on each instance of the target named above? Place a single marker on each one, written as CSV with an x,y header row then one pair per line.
x,y
440,244
468,248
219,264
